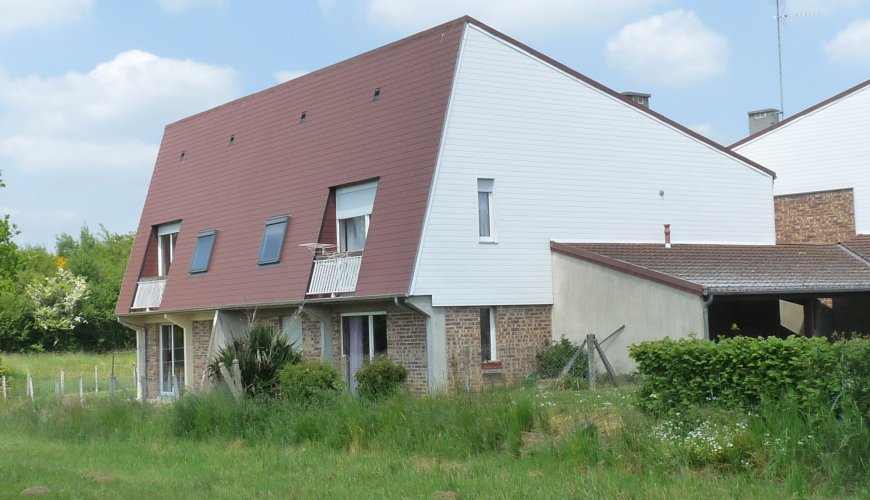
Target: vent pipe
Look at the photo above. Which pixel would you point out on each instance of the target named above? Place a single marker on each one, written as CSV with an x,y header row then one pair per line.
x,y
762,119
667,236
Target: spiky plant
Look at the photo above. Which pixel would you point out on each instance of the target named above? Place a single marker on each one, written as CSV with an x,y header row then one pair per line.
x,y
261,352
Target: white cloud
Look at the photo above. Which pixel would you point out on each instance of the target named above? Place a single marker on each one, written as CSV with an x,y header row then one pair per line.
x,y
178,6
514,16
285,76
86,142
851,45
671,48
18,14
817,6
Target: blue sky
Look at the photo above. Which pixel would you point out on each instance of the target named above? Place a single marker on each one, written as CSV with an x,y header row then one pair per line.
x,y
86,86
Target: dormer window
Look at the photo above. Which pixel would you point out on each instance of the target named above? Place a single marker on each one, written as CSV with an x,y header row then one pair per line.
x,y
353,208
167,236
273,239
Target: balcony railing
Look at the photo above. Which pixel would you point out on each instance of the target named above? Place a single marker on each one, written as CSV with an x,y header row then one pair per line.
x,y
335,274
149,293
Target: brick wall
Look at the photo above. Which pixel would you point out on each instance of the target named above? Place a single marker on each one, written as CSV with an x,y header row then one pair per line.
x,y
152,361
819,217
521,332
310,337
406,345
201,336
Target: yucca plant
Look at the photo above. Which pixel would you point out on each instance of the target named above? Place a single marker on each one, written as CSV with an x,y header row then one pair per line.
x,y
261,352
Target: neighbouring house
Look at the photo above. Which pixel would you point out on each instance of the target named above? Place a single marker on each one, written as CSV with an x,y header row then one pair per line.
x,y
403,203
821,156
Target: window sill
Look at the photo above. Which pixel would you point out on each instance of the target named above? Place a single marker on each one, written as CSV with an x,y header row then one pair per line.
x,y
488,241
491,367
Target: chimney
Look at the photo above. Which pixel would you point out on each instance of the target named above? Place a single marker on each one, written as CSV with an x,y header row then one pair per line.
x,y
667,236
761,119
637,98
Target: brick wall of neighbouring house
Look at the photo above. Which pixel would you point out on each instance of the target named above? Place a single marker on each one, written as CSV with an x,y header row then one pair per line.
x,y
201,336
152,361
406,345
819,217
521,332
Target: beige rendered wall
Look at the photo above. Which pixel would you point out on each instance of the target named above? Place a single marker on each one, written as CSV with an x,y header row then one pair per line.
x,y
589,298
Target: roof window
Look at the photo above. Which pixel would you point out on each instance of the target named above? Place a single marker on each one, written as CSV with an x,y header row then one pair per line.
x,y
202,251
377,95
181,157
273,239
302,116
232,140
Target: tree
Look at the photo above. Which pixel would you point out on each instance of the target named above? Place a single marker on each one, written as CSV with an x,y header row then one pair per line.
x,y
8,248
56,302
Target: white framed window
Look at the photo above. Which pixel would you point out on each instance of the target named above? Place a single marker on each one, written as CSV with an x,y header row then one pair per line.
x,y
485,219
202,251
353,214
167,236
273,239
373,328
487,334
171,359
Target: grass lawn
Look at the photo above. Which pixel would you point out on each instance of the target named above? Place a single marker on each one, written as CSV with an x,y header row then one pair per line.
x,y
517,443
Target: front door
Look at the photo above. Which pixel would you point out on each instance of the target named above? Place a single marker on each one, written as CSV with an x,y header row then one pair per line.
x,y
364,336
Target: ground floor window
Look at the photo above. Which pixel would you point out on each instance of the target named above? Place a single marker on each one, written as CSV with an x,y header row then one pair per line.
x,y
171,359
487,334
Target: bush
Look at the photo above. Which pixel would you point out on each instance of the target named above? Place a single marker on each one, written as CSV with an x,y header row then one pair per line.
x,y
740,371
853,361
553,359
310,381
262,353
380,379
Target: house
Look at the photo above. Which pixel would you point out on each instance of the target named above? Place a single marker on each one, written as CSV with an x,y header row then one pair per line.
x,y
403,202
821,156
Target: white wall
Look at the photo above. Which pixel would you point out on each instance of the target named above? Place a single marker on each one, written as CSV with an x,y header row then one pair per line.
x,y
826,149
598,300
570,163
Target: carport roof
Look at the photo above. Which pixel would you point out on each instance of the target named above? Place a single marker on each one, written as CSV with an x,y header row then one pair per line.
x,y
735,269
860,244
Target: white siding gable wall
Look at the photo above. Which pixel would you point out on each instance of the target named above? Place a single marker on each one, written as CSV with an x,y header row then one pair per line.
x,y
569,163
826,149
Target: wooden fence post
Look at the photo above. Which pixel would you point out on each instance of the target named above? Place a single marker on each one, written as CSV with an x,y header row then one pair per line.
x,y
30,387
96,379
4,387
62,381
81,390
590,353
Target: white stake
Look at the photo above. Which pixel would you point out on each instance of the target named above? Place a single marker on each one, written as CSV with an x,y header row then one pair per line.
x,y
62,381
96,380
81,390
30,387
4,387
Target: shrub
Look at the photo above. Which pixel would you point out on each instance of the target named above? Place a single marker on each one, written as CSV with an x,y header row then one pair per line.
x,y
262,353
740,371
553,359
381,378
853,361
310,381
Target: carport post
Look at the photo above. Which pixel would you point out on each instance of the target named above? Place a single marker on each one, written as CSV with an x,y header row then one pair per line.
x,y
705,307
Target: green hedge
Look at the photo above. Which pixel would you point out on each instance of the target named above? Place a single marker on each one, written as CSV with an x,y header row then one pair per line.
x,y
742,371
380,379
310,381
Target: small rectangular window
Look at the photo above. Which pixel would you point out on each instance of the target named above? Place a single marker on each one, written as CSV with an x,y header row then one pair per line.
x,y
484,209
273,239
202,251
167,235
487,334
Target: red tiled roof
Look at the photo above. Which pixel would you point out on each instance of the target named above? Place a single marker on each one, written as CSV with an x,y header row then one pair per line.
x,y
733,269
277,166
807,111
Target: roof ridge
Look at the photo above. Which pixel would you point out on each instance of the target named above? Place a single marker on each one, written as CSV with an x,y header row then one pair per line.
x,y
800,114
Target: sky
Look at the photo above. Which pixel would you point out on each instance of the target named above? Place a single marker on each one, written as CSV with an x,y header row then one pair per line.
x,y
87,86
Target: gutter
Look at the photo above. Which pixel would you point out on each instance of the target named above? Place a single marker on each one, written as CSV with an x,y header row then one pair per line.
x,y
705,311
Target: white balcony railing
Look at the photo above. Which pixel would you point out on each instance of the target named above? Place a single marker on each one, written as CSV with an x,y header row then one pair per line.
x,y
335,274
149,293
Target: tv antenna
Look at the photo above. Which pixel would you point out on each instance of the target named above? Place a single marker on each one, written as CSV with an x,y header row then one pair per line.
x,y
780,17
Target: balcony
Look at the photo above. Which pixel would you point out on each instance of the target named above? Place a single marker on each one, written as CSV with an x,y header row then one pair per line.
x,y
149,293
334,274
